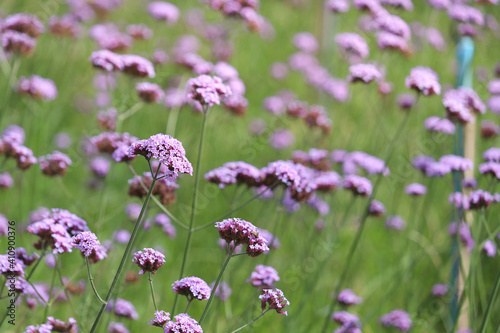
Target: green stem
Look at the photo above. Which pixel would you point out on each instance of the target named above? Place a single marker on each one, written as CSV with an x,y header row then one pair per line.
x,y
125,255
193,205
270,188
152,290
250,323
91,279
355,242
493,294
229,255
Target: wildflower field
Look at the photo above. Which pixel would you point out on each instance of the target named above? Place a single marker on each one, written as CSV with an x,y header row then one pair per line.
x,y
245,166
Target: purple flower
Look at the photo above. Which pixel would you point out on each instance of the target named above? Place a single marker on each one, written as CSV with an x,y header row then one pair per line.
x,y
358,185
399,319
43,328
353,45
23,22
66,25
437,169
133,211
17,42
489,129
281,139
239,231
439,4
164,11
440,290
387,40
461,102
406,101
376,208
11,267
137,66
279,70
123,308
275,299
166,150
90,246
479,199
464,13
207,90
404,4
99,166
107,60
148,261
160,318
183,324
223,290
61,326
306,42
37,87
492,154
6,180
337,6
55,164
263,277
440,125
435,38
394,25
395,222
424,80
225,71
464,233
115,327
470,183
365,73
121,236
457,163
348,297
149,92
55,229
344,317
416,189
164,221
192,287
139,31
489,248
459,200
492,168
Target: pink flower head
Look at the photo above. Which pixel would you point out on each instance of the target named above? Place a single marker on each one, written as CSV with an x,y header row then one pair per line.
x,y
365,73
353,45
306,42
440,125
399,319
358,185
207,90
23,22
275,299
461,102
223,290
239,231
183,324
107,60
263,277
164,11
395,222
137,66
424,80
348,297
160,318
17,42
123,308
440,289
139,31
167,150
6,180
193,288
37,87
337,6
90,246
55,164
66,25
149,92
416,189
489,248
148,261
376,208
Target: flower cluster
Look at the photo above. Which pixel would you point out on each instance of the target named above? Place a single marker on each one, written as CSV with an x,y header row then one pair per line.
x,y
182,323
55,164
263,277
461,103
122,308
399,319
192,287
160,318
128,63
348,297
90,246
238,231
164,188
37,87
19,33
207,90
167,150
56,228
275,299
11,145
149,92
424,81
148,261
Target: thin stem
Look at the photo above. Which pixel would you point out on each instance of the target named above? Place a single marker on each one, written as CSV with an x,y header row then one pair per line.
x,y
187,306
229,255
152,290
195,197
270,188
130,112
91,279
250,323
51,288
359,233
125,255
158,203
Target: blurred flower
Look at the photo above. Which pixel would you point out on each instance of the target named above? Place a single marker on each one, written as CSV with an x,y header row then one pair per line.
x,y
6,180
489,248
399,319
122,308
365,73
223,290
164,11
37,87
263,277
348,297
55,164
395,222
207,90
149,92
281,139
423,80
440,125
440,290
